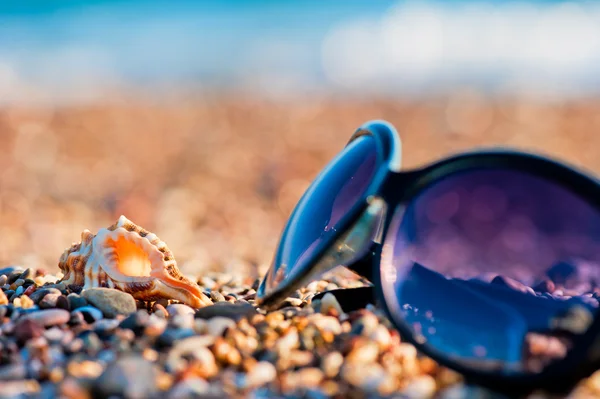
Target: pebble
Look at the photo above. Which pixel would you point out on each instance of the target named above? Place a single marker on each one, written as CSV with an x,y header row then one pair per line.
x,y
216,326
110,301
179,309
190,388
260,374
49,301
50,317
331,364
235,311
89,313
130,376
136,322
160,311
3,298
216,296
27,329
224,350
421,387
330,305
37,295
76,301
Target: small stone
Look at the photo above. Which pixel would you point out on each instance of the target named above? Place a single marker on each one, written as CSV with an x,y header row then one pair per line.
x,y
330,305
76,301
19,291
3,279
364,354
26,274
226,353
3,298
367,378
172,335
50,317
182,321
26,330
179,309
200,360
305,378
217,325
235,311
130,376
295,302
110,301
159,310
20,389
105,326
91,342
155,326
288,341
262,373
12,372
89,313
136,322
216,296
190,388
37,296
49,301
365,325
331,364
382,337
420,387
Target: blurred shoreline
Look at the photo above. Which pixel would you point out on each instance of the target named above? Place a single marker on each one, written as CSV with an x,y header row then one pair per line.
x,y
215,176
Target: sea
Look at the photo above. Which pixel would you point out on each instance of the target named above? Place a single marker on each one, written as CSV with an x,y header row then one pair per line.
x,y
391,47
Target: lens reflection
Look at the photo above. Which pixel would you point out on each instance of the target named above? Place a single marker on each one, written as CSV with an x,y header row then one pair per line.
x,y
331,196
497,268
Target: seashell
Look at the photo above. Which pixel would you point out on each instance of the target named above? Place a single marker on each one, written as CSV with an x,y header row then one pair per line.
x,y
127,257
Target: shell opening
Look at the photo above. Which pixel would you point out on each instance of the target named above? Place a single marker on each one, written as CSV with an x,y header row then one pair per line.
x,y
131,259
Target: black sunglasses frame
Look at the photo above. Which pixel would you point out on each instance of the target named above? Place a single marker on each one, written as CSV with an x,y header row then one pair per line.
x,y
396,187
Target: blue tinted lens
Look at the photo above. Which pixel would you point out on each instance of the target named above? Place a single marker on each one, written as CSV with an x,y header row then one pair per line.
x,y
489,266
330,197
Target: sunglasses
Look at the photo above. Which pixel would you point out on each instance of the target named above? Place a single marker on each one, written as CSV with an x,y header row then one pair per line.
x,y
488,262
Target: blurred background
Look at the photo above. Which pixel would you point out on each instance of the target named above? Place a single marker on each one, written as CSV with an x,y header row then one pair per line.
x,y
204,121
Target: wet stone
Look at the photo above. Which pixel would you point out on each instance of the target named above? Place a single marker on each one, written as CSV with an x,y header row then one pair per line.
x,y
110,301
224,309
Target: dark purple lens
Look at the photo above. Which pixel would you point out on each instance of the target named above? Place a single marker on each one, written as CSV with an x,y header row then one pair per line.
x,y
498,268
331,196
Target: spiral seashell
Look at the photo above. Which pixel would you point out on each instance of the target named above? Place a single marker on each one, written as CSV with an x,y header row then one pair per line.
x,y
127,257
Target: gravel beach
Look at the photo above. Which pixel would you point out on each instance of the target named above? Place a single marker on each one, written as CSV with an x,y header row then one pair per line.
x,y
216,178
56,342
